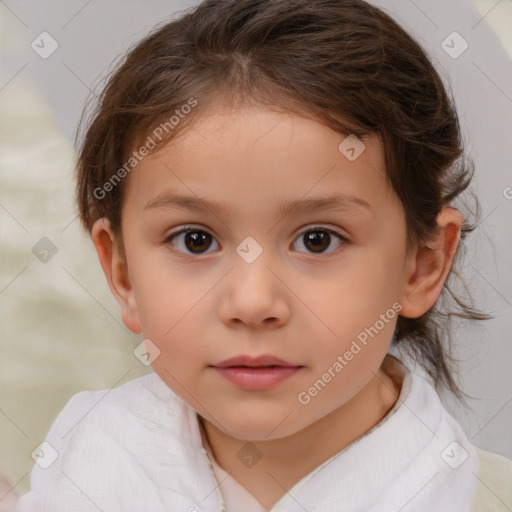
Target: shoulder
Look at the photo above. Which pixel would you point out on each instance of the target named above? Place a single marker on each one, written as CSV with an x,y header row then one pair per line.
x,y
148,389
142,401
141,421
494,483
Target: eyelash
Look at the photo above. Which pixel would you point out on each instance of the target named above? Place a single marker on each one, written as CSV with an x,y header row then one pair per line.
x,y
191,228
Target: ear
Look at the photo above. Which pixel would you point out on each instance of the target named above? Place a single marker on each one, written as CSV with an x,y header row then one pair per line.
x,y
428,266
116,271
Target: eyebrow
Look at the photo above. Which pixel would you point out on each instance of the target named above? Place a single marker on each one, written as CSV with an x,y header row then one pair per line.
x,y
341,202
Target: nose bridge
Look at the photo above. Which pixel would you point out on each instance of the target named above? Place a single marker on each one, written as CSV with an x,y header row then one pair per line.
x,y
250,250
251,272
254,293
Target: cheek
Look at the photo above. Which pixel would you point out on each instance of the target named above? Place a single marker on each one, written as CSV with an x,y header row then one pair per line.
x,y
350,299
165,296
173,306
354,312
343,364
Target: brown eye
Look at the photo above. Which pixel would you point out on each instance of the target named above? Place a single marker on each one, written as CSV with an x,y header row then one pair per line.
x,y
320,239
192,241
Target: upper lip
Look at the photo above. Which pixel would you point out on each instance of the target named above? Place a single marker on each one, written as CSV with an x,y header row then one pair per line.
x,y
255,362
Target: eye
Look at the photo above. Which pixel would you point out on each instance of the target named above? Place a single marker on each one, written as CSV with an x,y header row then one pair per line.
x,y
319,238
196,241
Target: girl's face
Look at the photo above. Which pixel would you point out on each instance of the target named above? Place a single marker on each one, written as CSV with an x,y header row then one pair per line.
x,y
255,233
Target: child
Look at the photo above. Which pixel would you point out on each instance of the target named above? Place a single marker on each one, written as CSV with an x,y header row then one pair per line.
x,y
269,185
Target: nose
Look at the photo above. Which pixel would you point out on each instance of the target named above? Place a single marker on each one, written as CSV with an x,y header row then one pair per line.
x,y
253,296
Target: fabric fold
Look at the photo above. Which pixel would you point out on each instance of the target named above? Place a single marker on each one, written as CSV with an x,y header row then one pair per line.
x,y
139,447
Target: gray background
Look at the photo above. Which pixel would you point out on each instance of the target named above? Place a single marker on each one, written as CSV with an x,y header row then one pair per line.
x,y
61,329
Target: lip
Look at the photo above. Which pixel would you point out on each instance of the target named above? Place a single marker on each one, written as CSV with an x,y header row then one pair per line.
x,y
256,373
255,362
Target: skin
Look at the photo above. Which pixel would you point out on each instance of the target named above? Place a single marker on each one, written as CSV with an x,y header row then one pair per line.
x,y
303,306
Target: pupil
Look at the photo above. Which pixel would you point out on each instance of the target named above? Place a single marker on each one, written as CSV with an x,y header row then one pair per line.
x,y
197,239
319,240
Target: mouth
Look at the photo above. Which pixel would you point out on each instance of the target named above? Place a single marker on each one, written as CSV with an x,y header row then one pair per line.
x,y
256,373
263,361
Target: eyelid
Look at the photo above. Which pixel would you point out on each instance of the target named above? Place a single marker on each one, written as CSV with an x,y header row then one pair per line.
x,y
327,227
305,229
187,227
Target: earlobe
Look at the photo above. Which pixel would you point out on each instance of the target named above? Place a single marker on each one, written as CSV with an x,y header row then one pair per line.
x,y
116,272
428,266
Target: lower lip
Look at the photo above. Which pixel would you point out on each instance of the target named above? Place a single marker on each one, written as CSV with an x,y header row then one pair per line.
x,y
257,379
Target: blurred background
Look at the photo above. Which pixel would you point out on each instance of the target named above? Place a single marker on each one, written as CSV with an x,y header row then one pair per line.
x,y
61,331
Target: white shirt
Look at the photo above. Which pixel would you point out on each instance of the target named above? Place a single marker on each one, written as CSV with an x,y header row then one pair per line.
x,y
139,448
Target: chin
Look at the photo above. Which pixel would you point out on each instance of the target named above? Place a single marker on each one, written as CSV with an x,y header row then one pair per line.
x,y
258,427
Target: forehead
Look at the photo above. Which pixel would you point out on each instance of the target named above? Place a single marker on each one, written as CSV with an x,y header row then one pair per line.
x,y
256,157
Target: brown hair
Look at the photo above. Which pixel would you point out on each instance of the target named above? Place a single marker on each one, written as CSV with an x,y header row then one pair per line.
x,y
343,62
